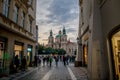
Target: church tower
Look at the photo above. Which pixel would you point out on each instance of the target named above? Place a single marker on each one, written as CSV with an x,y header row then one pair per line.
x,y
64,39
51,40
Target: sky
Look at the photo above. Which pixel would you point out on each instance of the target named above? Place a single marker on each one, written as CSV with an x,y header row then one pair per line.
x,y
56,14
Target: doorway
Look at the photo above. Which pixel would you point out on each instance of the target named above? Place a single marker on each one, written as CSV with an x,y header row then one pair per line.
x,y
116,53
18,50
29,55
85,55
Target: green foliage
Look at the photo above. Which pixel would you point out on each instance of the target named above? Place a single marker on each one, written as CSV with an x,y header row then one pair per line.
x,y
41,49
61,51
49,50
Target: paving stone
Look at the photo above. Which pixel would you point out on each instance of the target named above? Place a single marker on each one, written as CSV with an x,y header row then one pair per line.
x,y
55,73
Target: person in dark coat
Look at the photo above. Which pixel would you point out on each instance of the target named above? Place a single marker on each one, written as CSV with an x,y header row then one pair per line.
x,y
16,62
24,63
35,60
64,60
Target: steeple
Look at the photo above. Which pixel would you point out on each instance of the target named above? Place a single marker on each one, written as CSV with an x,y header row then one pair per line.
x,y
64,31
51,33
60,32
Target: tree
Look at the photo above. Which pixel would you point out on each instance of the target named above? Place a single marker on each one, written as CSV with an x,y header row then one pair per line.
x,y
60,51
49,50
41,49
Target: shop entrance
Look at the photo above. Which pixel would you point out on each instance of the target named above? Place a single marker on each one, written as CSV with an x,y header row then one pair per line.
x,y
29,55
85,58
3,59
116,53
1,56
18,50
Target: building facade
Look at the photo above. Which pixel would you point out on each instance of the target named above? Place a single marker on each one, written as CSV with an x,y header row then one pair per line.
x,y
17,31
99,38
60,42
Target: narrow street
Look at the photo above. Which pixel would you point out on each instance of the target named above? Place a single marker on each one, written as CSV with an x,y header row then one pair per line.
x,y
61,72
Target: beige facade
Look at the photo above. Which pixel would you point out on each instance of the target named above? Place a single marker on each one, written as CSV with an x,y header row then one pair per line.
x,y
71,48
17,31
99,34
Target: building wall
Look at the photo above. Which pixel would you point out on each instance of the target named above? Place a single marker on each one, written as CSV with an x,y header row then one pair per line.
x,y
110,20
101,17
13,31
71,48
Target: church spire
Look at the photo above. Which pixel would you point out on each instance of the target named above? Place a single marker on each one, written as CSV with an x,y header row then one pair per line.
x,y
64,31
51,33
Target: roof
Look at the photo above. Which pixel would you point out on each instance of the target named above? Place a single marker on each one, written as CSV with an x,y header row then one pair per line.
x,y
59,35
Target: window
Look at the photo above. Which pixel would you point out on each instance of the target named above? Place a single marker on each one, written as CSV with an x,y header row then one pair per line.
x,y
30,1
6,6
30,25
16,13
22,19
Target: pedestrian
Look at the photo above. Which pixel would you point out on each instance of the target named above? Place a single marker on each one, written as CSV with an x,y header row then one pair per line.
x,y
50,60
39,60
44,59
12,68
35,60
47,60
24,63
64,60
67,59
16,62
56,60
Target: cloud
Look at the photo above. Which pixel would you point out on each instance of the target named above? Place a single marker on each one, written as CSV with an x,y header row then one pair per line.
x,y
71,30
46,33
62,11
54,14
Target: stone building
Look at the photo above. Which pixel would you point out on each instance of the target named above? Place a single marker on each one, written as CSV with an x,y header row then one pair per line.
x,y
17,31
99,38
60,42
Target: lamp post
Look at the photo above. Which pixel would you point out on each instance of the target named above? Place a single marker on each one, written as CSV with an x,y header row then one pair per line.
x,y
78,60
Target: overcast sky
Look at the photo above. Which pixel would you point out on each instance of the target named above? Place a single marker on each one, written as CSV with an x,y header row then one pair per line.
x,y
54,14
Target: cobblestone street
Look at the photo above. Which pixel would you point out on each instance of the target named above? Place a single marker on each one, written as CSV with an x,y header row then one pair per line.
x,y
57,73
60,72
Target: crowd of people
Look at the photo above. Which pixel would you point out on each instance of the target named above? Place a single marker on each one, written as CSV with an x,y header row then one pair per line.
x,y
46,60
15,65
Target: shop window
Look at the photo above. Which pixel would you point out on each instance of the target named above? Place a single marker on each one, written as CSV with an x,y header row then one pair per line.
x,y
85,55
1,53
29,55
3,58
116,52
18,50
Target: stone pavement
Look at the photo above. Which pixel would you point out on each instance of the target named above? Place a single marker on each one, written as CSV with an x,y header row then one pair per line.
x,y
79,72
61,72
19,74
58,73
